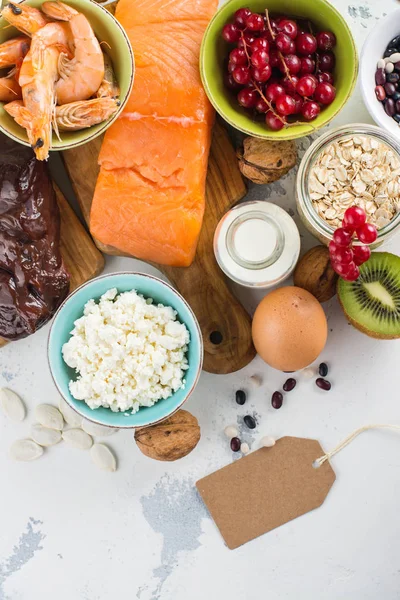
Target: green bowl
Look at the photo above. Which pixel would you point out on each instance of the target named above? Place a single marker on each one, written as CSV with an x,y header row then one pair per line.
x,y
214,51
117,46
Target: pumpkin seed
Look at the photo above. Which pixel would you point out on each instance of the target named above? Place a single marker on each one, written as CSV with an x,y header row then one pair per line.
x,y
49,416
25,450
77,438
97,430
70,415
45,436
12,405
103,457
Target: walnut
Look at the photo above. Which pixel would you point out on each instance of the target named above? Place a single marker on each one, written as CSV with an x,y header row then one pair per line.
x,y
314,273
265,161
171,439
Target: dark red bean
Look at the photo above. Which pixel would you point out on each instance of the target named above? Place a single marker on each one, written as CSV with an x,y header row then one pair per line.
x,y
323,384
390,89
397,66
393,77
277,400
380,77
397,118
398,106
235,444
289,385
240,397
323,369
390,107
250,422
380,93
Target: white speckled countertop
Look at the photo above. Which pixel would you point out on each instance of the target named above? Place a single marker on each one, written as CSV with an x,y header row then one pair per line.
x,y
71,532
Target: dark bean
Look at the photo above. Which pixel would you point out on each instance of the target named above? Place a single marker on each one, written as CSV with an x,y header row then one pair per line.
x,y
250,422
396,96
235,444
390,89
390,107
395,42
323,369
323,384
393,77
398,106
391,50
396,117
240,397
380,77
289,385
397,66
277,400
380,93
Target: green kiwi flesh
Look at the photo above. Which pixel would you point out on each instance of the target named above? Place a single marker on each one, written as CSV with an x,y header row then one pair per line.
x,y
372,303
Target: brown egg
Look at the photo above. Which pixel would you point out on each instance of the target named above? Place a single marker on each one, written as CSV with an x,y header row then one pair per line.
x,y
289,329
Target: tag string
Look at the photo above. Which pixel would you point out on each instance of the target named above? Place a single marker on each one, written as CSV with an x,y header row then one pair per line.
x,y
320,461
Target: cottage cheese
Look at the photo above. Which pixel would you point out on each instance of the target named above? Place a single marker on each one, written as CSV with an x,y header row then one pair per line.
x,y
127,351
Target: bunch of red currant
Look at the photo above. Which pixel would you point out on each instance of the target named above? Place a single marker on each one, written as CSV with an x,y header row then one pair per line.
x,y
278,67
345,256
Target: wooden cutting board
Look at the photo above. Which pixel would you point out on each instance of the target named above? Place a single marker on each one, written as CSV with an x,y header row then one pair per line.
x,y
225,325
82,259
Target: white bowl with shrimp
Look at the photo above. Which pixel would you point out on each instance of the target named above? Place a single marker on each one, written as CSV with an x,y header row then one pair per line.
x,y
117,48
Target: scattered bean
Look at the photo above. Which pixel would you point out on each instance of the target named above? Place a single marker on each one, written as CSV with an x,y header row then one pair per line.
x,y
267,442
235,444
308,373
323,384
390,107
240,397
231,431
244,448
323,369
380,77
277,400
389,67
250,422
256,381
380,93
289,385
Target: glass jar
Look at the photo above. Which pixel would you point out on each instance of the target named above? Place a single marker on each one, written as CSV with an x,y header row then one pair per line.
x,y
315,224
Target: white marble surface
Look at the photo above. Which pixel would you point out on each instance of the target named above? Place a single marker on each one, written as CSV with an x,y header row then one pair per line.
x,y
68,531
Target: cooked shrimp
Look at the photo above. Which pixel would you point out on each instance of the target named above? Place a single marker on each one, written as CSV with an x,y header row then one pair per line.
x,y
70,117
80,77
109,86
13,51
9,88
39,72
25,18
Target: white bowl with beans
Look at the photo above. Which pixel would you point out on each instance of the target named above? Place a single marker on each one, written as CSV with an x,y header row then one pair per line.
x,y
373,50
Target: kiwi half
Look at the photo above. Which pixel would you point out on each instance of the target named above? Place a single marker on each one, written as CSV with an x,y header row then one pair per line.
x,y
372,303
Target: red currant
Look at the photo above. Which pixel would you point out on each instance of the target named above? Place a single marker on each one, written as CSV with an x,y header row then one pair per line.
x,y
274,122
260,44
241,17
285,105
352,274
230,33
290,84
241,75
261,75
325,93
238,57
326,40
332,248
274,59
307,65
327,61
299,103
341,237
326,78
343,255
247,98
293,64
255,23
367,233
361,254
288,27
306,86
342,268
306,44
231,83
261,106
353,218
283,43
260,59
273,91
310,110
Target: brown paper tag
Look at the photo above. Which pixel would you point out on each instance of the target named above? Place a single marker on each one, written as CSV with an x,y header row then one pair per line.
x,y
266,489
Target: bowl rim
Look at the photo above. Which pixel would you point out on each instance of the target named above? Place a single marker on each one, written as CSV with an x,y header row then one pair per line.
x,y
195,322
369,98
109,122
289,135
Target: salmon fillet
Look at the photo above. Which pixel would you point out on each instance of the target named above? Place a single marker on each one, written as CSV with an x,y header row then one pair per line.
x,y
150,194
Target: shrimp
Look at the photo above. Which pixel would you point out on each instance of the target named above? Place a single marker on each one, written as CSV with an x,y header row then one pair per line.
x,y
109,86
9,88
25,18
81,77
70,117
39,72
13,51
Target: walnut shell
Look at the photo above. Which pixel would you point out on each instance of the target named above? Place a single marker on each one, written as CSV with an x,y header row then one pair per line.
x,y
265,161
171,439
315,274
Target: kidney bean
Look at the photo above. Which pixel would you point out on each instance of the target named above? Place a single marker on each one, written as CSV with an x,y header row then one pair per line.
x,y
289,385
390,89
397,66
390,107
380,93
393,77
277,400
396,117
323,384
235,444
380,77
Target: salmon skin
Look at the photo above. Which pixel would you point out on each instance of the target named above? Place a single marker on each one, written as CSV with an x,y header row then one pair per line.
x,y
150,194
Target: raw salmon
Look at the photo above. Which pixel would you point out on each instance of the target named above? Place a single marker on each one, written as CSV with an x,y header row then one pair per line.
x,y
150,194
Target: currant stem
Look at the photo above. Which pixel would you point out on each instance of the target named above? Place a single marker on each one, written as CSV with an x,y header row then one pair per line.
x,y
268,103
269,24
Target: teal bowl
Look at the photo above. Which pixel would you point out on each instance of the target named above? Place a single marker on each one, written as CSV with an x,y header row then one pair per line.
x,y
72,309
214,51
